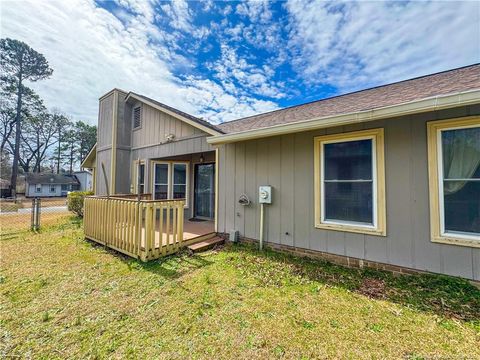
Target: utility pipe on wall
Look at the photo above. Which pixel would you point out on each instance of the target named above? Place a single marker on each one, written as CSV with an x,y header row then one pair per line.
x,y
262,207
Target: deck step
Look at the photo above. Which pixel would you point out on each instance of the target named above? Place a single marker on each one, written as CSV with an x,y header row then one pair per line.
x,y
205,244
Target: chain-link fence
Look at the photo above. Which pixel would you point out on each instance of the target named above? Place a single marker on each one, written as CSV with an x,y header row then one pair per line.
x,y
25,214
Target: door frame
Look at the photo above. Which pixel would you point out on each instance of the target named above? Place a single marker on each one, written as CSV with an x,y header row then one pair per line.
x,y
214,203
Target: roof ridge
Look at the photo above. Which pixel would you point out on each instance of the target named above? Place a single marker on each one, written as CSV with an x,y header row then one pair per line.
x,y
351,93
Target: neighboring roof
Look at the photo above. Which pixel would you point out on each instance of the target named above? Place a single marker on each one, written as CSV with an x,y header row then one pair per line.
x,y
447,82
82,172
192,120
35,178
89,161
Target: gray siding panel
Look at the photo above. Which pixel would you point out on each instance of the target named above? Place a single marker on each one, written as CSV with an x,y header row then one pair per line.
x,y
286,189
250,189
222,184
397,171
302,190
274,180
104,157
156,125
286,163
230,186
239,187
105,115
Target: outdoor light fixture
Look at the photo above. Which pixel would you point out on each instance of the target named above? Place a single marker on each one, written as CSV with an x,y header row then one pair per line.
x,y
202,159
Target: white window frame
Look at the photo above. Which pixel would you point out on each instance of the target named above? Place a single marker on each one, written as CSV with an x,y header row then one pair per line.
x,y
54,189
187,175
135,172
38,188
435,167
170,178
378,183
154,180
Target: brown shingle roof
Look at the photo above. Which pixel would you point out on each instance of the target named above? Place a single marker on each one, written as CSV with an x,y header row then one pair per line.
x,y
443,83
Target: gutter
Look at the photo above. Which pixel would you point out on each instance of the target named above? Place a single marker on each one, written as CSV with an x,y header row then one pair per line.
x,y
439,102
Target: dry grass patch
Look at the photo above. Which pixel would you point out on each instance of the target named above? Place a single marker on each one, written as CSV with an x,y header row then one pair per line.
x,y
65,297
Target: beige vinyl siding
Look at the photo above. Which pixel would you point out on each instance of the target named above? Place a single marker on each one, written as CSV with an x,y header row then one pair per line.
x,y
286,163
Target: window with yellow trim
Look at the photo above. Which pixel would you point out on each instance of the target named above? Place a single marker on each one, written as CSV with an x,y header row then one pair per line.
x,y
454,156
350,182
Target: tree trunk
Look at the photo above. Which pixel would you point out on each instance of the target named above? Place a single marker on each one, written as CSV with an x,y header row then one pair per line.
x,y
58,154
71,158
16,154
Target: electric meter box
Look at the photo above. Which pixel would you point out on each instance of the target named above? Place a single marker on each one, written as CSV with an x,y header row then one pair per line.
x,y
265,194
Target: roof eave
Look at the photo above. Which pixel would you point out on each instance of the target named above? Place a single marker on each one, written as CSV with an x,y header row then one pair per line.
x,y
174,114
89,161
438,102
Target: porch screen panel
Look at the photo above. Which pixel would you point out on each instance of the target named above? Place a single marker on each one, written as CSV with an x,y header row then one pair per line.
x,y
348,181
461,180
179,181
161,181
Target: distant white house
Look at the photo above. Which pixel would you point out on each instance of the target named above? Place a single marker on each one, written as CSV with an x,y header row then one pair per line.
x,y
50,185
85,179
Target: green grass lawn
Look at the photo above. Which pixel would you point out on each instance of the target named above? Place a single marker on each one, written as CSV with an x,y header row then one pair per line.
x,y
62,296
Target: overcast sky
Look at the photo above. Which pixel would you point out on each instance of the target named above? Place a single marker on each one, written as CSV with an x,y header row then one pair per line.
x,y
225,60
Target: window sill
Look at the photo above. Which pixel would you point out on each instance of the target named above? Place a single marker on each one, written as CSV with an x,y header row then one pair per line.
x,y
352,228
460,241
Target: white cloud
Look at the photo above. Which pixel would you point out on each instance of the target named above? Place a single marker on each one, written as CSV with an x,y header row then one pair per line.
x,y
251,78
92,51
255,10
179,14
356,44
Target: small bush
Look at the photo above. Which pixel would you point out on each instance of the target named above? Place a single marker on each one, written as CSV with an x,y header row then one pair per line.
x,y
75,201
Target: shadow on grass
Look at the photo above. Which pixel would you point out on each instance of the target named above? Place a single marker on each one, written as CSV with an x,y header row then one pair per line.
x,y
446,296
174,266
169,267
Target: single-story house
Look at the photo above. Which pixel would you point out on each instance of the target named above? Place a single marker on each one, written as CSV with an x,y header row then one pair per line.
x,y
387,177
85,178
50,185
5,189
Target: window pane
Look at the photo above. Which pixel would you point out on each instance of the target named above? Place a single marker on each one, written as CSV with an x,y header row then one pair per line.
x,y
461,153
462,207
179,173
141,173
161,173
161,192
179,191
461,162
349,201
348,160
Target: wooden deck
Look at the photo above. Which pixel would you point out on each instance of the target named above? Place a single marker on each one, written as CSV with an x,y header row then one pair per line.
x,y
191,230
142,228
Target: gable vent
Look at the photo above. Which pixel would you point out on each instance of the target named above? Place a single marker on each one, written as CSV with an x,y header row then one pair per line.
x,y
137,121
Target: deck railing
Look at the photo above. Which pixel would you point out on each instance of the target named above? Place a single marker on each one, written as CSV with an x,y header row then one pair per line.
x,y
143,229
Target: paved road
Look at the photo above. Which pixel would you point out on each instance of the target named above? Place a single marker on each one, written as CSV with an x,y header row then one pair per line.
x,y
52,209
